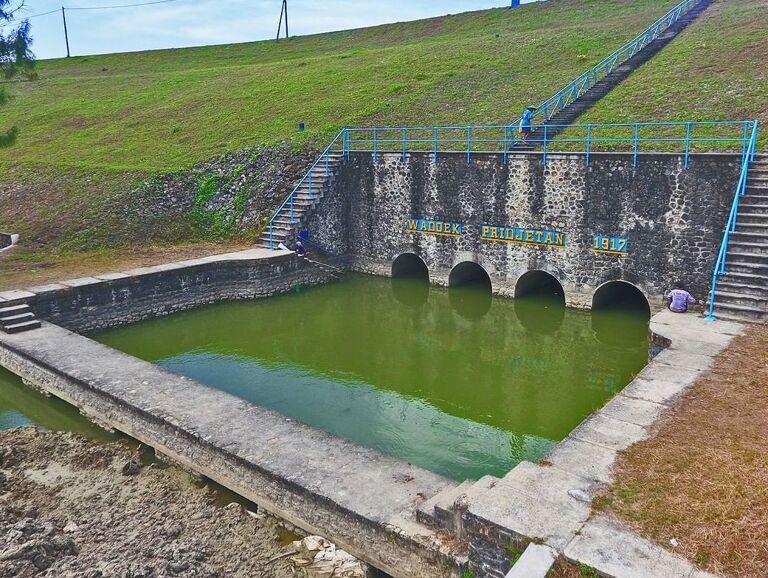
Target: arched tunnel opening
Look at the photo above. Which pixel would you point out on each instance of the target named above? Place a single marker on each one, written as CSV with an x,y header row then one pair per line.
x,y
410,280
470,290
539,302
411,266
620,312
539,284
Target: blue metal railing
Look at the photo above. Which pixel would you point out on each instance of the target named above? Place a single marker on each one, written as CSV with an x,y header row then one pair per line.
x,y
682,137
568,95
631,138
290,200
720,266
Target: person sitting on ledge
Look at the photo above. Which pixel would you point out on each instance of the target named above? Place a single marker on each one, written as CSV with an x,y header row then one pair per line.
x,y
301,251
678,300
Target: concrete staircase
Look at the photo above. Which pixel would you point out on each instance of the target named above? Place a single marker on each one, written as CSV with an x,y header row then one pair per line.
x,y
17,318
289,221
571,113
742,294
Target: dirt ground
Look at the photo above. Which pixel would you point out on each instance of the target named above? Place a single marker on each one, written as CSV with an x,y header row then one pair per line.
x,y
20,268
699,486
70,507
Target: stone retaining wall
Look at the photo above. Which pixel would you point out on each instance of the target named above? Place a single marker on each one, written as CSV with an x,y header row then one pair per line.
x,y
672,217
120,298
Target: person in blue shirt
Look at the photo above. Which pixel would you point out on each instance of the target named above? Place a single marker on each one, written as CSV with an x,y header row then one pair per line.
x,y
301,250
526,122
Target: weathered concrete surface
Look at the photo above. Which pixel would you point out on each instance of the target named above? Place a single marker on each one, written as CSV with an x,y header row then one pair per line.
x,y
361,499
113,299
535,562
551,503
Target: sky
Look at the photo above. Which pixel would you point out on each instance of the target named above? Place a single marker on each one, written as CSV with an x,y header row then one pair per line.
x,y
197,22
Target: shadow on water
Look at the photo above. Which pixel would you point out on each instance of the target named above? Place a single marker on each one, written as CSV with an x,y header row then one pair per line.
x,y
410,291
541,315
616,325
471,301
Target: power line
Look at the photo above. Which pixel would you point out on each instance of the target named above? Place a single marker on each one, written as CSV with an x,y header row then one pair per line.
x,y
120,5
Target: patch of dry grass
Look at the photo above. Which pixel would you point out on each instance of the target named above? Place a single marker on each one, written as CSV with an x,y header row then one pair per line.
x,y
703,478
21,268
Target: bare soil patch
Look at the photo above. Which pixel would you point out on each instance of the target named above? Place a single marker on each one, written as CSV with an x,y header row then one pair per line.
x,y
702,481
70,507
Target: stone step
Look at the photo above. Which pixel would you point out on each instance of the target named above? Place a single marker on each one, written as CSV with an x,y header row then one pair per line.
x,y
755,302
754,208
740,247
14,309
750,236
760,228
738,266
20,327
751,218
735,287
17,318
746,279
447,508
730,312
737,254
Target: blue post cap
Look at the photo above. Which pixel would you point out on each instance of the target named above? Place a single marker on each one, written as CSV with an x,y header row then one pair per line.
x,y
301,127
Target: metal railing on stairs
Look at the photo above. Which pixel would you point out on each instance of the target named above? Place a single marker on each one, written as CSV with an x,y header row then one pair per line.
x,y
720,266
322,161
571,93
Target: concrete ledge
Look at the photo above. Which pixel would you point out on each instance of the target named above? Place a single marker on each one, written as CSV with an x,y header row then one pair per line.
x,y
552,505
361,499
113,299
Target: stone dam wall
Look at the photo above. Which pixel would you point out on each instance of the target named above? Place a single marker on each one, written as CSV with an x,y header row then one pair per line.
x,y
647,225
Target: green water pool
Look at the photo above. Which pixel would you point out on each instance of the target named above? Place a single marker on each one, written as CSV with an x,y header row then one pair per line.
x,y
454,382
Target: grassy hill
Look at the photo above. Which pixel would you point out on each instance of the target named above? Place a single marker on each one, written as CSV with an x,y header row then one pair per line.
x,y
95,129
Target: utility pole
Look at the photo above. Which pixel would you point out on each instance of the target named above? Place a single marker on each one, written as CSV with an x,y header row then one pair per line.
x,y
283,11
66,34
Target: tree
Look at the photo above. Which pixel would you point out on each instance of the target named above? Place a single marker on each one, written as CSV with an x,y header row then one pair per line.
x,y
16,58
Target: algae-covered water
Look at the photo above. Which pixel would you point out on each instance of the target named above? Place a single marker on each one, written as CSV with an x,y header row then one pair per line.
x,y
450,381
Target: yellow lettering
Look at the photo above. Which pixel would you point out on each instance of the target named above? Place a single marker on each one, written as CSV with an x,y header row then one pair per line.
x,y
494,232
529,236
550,238
457,229
486,231
412,225
560,239
539,235
519,234
422,225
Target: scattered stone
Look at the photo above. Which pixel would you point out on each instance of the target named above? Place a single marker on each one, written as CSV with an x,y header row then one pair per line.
x,y
132,468
316,557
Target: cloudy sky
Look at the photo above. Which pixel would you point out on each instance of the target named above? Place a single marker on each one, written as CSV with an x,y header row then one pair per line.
x,y
195,22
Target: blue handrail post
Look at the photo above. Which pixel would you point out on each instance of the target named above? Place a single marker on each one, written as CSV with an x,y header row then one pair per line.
x,y
310,185
469,144
271,236
687,143
745,141
636,144
375,145
589,141
292,219
405,143
545,145
506,145
327,162
436,143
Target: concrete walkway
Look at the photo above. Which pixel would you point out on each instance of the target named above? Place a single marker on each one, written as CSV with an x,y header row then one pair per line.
x,y
550,503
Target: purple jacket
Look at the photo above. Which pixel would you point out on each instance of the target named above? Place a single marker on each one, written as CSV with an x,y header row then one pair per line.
x,y
679,300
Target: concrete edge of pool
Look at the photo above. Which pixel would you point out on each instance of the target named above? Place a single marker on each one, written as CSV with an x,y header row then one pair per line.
x,y
375,506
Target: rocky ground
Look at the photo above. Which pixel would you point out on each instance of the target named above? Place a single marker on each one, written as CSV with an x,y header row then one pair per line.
x,y
70,507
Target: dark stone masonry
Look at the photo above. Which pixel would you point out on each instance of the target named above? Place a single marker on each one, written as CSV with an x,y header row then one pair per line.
x,y
671,217
119,298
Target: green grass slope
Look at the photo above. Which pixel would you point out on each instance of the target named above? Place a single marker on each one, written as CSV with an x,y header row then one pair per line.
x,y
717,69
164,110
106,140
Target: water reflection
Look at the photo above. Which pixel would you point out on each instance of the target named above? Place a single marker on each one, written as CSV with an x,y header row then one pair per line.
x,y
540,315
612,326
386,366
472,302
410,291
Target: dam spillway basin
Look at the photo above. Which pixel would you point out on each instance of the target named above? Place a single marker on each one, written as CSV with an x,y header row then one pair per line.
x,y
454,382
